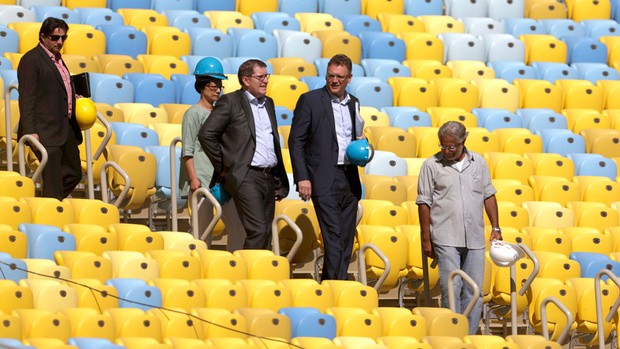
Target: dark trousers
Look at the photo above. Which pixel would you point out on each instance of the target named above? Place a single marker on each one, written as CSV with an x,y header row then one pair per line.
x,y
255,201
336,213
63,171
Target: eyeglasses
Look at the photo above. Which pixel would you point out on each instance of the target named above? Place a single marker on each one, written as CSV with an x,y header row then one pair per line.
x,y
215,87
57,37
261,77
337,77
449,147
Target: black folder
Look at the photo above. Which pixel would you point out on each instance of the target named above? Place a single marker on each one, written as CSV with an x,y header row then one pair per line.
x,y
81,83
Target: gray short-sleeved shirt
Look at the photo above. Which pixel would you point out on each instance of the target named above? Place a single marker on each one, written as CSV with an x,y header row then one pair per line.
x,y
456,199
193,119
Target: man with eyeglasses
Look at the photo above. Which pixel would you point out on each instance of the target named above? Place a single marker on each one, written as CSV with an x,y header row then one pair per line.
x,y
325,122
47,109
454,187
197,170
241,139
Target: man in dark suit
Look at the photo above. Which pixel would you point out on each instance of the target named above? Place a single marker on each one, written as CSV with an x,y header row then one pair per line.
x,y
241,139
325,122
47,109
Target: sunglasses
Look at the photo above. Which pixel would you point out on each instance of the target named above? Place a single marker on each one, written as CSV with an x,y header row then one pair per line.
x,y
57,37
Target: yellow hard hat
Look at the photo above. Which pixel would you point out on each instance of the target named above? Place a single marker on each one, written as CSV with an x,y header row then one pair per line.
x,y
85,113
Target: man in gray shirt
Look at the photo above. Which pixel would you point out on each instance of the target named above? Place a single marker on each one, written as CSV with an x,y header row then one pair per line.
x,y
454,186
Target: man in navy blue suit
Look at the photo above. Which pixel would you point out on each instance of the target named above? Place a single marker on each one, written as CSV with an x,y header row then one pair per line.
x,y
325,122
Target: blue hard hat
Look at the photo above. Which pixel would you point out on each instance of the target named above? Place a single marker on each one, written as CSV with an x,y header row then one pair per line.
x,y
220,193
210,66
360,152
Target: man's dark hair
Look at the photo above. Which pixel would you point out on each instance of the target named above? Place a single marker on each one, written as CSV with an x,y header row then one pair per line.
x,y
342,60
247,68
50,24
204,80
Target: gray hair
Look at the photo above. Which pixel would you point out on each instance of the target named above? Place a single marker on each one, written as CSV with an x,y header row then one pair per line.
x,y
454,129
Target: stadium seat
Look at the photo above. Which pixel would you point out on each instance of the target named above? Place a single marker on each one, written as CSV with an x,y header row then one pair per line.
x,y
498,93
511,70
423,8
310,322
437,24
184,19
179,293
382,45
292,43
502,47
459,9
423,46
83,265
539,94
131,265
562,141
151,88
253,42
462,46
124,40
498,9
544,48
111,89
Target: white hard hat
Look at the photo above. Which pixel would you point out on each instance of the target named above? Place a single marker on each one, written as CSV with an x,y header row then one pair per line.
x,y
504,254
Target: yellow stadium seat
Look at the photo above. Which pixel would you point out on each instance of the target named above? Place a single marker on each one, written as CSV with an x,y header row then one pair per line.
x,y
557,266
418,93
223,20
136,237
118,64
85,265
356,322
132,264
175,264
309,293
513,191
134,322
443,322
88,322
498,93
286,93
266,294
549,239
603,137
400,322
247,7
222,265
552,164
400,23
548,214
552,188
79,64
179,293
428,69
105,298
556,319
580,10
544,48
442,24
265,265
175,111
266,323
167,41
28,35
140,17
374,7
352,294
49,294
162,64
222,293
440,115
470,70
176,323
593,214
41,323
539,94
533,341
50,211
92,238
86,41
581,94
581,119
293,66
456,93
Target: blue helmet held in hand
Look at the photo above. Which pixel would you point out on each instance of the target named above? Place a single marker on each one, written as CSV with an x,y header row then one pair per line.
x,y
219,192
360,152
210,66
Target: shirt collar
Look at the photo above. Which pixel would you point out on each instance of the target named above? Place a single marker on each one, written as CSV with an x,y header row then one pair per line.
x,y
54,57
253,100
336,99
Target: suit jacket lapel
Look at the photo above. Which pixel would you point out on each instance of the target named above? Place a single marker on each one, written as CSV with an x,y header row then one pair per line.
x,y
247,110
329,111
49,62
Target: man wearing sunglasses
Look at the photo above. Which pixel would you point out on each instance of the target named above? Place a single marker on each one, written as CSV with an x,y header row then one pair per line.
x,y
241,139
47,109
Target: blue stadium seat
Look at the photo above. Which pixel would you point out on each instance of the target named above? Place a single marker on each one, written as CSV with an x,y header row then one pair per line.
x,y
382,45
253,42
595,28
114,5
321,68
184,19
561,141
310,322
561,28
11,268
92,343
163,182
44,240
9,40
356,24
492,119
513,70
298,44
215,5
313,82
587,164
405,117
71,17
152,88
5,64
134,134
424,7
291,7
552,71
110,89
167,5
520,26
99,16
233,64
374,94
462,47
585,50
185,91
357,82
123,40
538,119
14,343
591,263
340,8
596,71
462,9
210,42
9,76
500,9
503,47
284,116
135,293
386,163
268,21
384,68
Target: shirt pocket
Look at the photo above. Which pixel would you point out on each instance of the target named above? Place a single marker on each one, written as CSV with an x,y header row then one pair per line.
x,y
476,183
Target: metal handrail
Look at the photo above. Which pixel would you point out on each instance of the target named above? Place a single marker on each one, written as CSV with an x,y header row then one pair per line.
x,y
452,297
599,304
276,236
90,157
194,205
104,182
362,264
543,318
9,125
173,183
22,157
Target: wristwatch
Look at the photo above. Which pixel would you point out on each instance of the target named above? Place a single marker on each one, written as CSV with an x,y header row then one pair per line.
x,y
497,229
